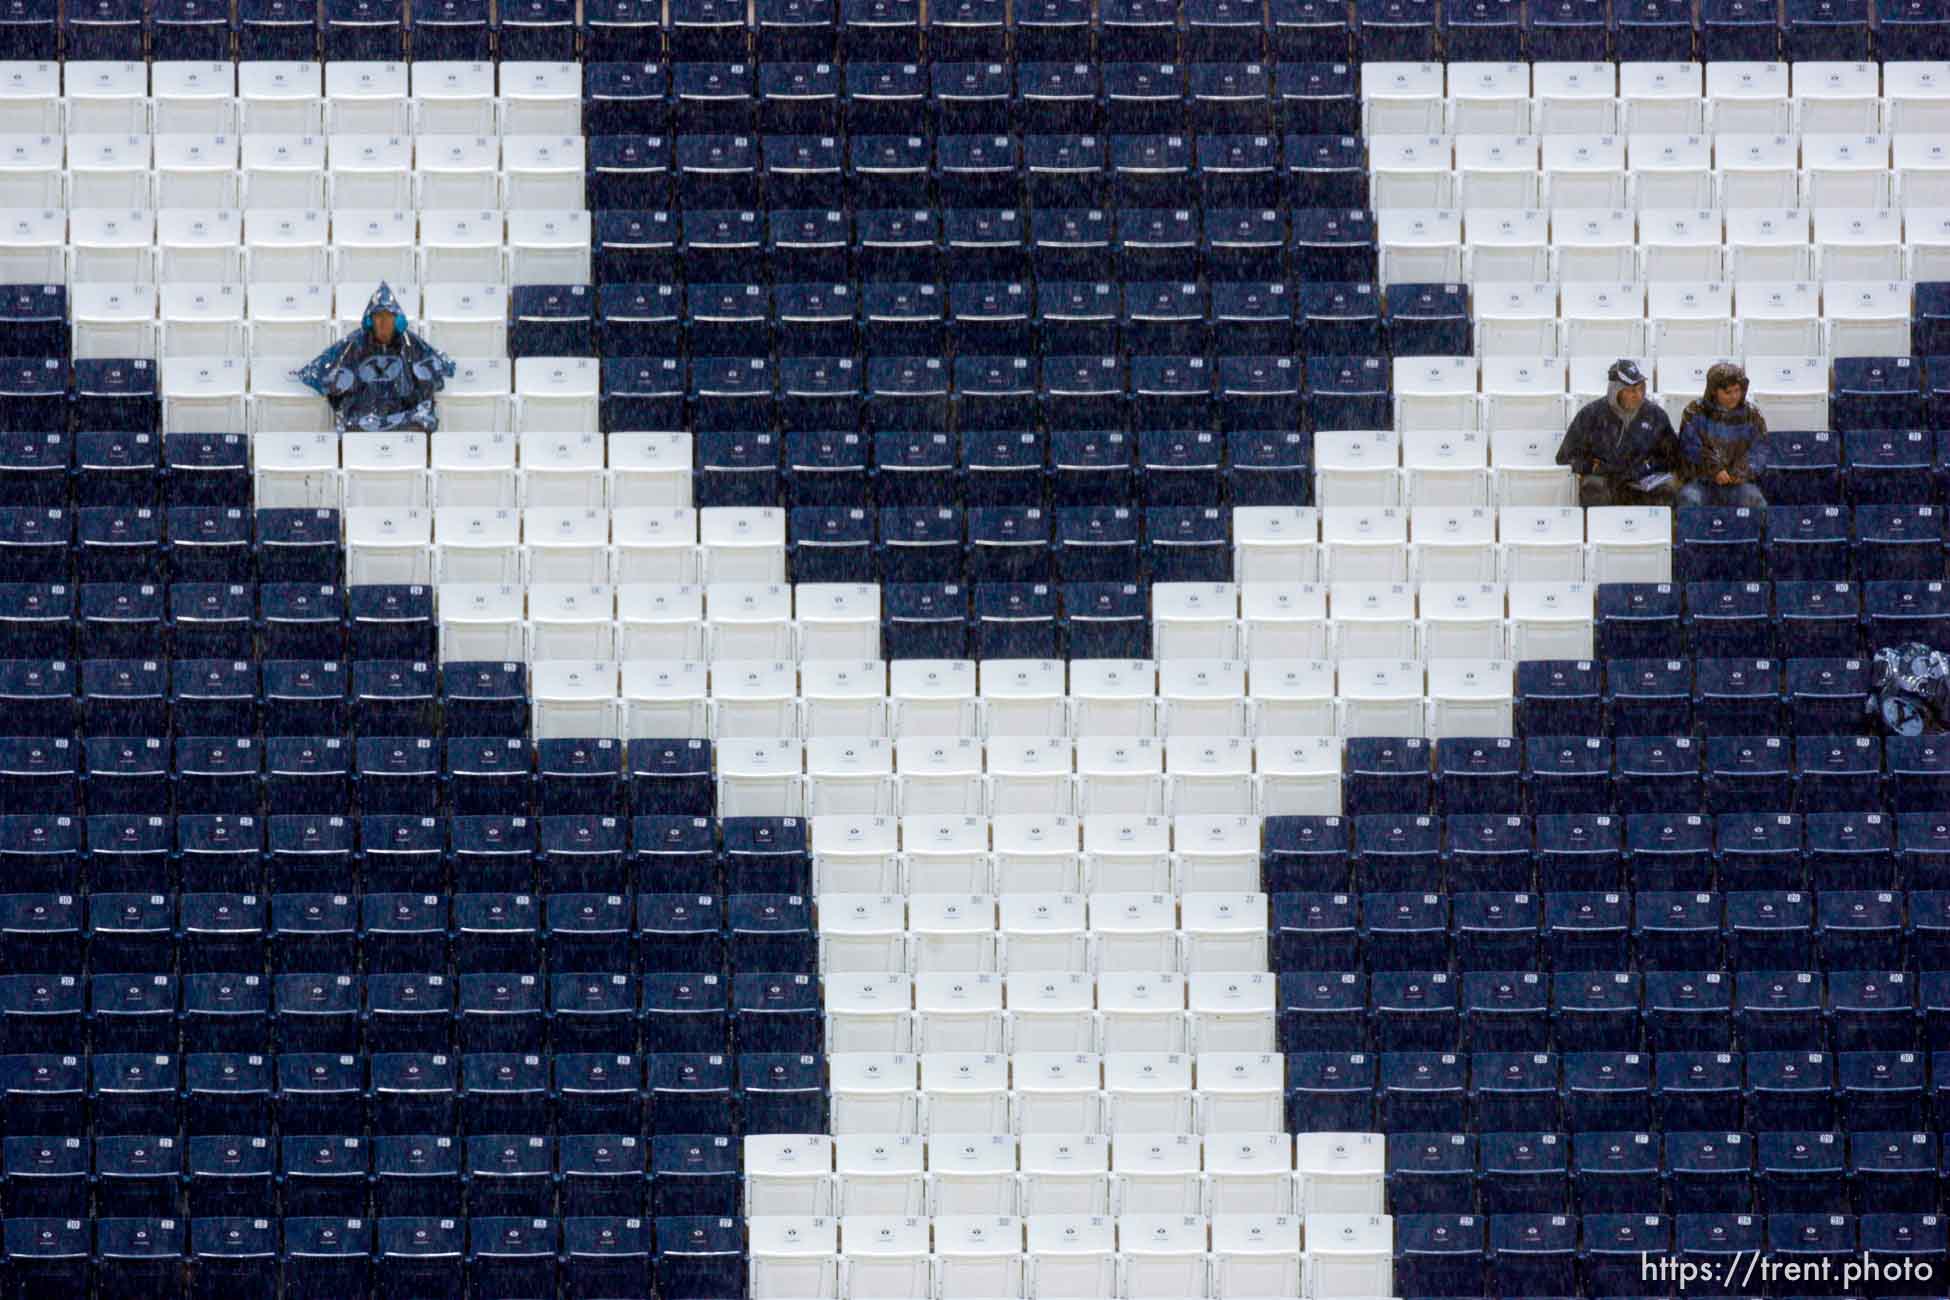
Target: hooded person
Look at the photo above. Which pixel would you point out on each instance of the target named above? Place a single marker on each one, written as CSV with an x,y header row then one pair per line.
x,y
382,376
1717,434
1622,447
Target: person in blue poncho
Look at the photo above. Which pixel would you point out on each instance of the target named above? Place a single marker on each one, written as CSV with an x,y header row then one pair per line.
x,y
383,376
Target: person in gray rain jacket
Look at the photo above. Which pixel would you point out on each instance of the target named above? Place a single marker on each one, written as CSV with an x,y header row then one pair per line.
x,y
1621,446
382,376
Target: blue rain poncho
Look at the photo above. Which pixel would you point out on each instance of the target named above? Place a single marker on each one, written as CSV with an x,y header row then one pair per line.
x,y
380,387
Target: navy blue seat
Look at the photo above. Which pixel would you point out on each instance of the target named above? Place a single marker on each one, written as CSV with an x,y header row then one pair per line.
x,y
1698,1091
35,467
1639,620
925,621
1414,1011
1314,930
1929,914
781,1092
1405,930
1729,620
1708,1174
1616,1247
730,318
1532,1253
1859,929
592,1012
1559,697
1478,776
1678,930
1428,320
39,696
50,1175
1738,695
1770,929
1246,245
690,1093
38,618
1777,1011
1739,29
1568,774
552,320
1340,319
1650,696
1151,185
293,545
1424,1092
1507,1012
1440,1254
365,29
1489,851
1899,542
1587,930
132,931
1322,1011
1808,543
222,932
299,621
1652,30
1330,1091
217,776
1687,1011
314,931
1801,468
1496,931
900,247
680,932
1887,466
1431,1173
1609,1092
420,1257
1670,850
622,99
1398,851
1305,853
1819,619
125,775
582,930
1933,998
1851,850
316,1013
1899,611
699,30
401,933
484,852
1826,29
1919,772
584,851
1386,774
1016,621
681,1013
1659,774
416,1175
1801,1174
1871,1011
1595,1011
1399,30
1318,98
1748,774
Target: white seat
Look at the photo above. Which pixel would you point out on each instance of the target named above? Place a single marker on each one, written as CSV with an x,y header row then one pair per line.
x,y
1550,620
1275,544
1058,1092
1291,697
793,1256
204,394
850,775
654,544
470,319
1453,544
282,246
761,778
113,320
1299,775
1517,320
281,97
1859,243
452,98
201,246
1246,1169
194,96
1149,1095
557,394
1837,96
666,700
475,470
972,1172
388,545
976,1257
742,544
1142,1011
874,1092
31,174
1122,854
1585,171
967,1092
1795,388
1379,697
1209,774
1922,164
365,96
1499,171
660,621
1508,246
1471,697
482,620
1521,392
1113,698
1023,697
651,468
788,1174
203,320
111,171
297,470
34,248
1489,97
1044,932
569,694
1691,318
565,544
1373,620
1748,96
549,244
1195,620
1769,244
477,545
945,853
1604,319
952,932
541,98
886,1257
1072,1255
1339,1173
754,699
542,173
196,169
1119,774
1663,96
1202,697
284,171
1398,97
1865,318
1671,170
1350,1254
30,98
388,469
882,1175
1215,852
289,320
571,621
1052,1011
1757,170
1461,620
1682,244
462,246
1435,393
838,620
1363,545
1576,98
1223,932
1525,469
861,933
1063,1174
1357,467
1447,468
1284,620
370,246
1779,319
1541,545
857,854
1916,97
941,776
1595,245
478,397
1162,1256
1134,931
1232,1018
1157,1174
934,697
843,697
106,95
1421,242
1846,170
1256,1252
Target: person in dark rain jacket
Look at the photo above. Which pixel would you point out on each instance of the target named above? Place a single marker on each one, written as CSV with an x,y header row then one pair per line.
x,y
1621,446
382,377
1716,440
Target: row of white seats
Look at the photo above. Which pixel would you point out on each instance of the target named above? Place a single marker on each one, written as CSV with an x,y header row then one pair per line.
x,y
1077,1256
1056,776
1100,854
265,170
1160,1172
103,253
89,96
1154,1015
501,471
1646,170
1234,1091
260,395
1476,544
829,701
1444,393
1198,933
1531,245
1692,98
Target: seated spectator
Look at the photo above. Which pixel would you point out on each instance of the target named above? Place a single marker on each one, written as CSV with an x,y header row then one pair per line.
x,y
1621,446
1716,437
382,376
